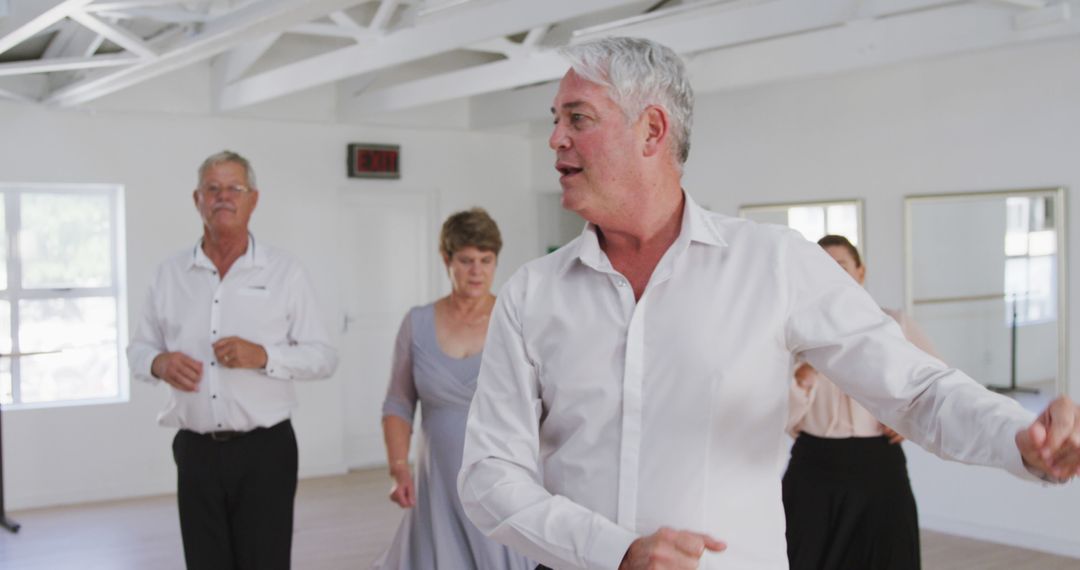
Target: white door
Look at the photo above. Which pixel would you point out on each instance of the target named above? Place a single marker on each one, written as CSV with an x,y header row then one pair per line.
x,y
388,244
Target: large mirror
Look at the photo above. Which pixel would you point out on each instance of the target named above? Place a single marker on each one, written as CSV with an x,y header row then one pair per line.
x,y
813,219
986,281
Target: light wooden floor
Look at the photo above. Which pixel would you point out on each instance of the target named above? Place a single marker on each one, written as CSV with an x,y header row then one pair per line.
x,y
341,522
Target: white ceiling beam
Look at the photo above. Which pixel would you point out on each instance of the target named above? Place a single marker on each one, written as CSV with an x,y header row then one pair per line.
x,y
476,80
535,36
344,20
498,45
236,62
903,37
1024,3
41,22
456,30
109,6
382,16
116,34
726,24
64,64
331,30
251,22
164,15
715,25
949,30
60,42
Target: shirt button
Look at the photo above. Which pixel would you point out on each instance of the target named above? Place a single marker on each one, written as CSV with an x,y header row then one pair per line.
x,y
214,396
212,363
219,425
215,300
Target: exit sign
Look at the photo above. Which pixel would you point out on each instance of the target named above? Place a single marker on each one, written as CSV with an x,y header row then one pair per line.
x,y
374,161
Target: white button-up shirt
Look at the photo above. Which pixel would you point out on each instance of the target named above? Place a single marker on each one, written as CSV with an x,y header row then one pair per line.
x,y
264,298
598,419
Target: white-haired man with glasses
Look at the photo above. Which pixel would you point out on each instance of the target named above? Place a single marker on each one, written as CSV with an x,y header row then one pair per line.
x,y
229,324
632,398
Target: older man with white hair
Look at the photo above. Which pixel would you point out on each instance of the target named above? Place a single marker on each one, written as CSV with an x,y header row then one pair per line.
x,y
632,399
229,324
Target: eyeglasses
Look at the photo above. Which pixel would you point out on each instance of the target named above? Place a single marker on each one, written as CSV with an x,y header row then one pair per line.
x,y
235,189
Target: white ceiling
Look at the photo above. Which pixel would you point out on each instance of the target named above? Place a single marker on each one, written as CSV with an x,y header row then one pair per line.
x,y
393,55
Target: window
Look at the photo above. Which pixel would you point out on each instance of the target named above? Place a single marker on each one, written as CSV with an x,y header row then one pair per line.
x,y
62,304
1030,260
813,220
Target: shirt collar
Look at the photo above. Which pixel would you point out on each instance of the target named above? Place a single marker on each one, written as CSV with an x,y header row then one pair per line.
x,y
697,226
253,257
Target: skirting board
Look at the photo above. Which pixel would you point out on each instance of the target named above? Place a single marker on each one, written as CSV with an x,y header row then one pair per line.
x,y
1058,546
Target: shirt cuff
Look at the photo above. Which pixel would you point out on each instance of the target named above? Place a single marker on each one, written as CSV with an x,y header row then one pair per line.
x,y
1016,464
609,545
144,368
274,368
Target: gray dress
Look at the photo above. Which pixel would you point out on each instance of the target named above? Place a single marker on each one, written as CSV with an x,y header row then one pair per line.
x,y
435,534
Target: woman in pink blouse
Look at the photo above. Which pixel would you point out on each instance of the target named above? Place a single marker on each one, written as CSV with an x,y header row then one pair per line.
x,y
846,491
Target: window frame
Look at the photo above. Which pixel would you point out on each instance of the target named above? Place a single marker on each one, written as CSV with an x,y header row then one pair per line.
x,y
1022,319
746,209
13,292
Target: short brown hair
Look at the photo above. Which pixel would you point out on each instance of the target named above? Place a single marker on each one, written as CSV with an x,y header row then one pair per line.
x,y
472,227
833,240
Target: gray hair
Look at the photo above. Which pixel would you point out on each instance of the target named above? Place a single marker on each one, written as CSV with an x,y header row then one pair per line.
x,y
228,156
638,73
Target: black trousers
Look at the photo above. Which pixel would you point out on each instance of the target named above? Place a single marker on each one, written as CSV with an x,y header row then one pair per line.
x,y
849,505
236,498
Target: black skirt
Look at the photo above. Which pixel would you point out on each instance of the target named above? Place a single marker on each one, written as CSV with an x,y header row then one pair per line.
x,y
849,506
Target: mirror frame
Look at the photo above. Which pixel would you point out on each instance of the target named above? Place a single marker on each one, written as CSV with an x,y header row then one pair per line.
x,y
1060,226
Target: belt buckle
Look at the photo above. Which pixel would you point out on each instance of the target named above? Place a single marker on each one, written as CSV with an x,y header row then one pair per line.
x,y
221,435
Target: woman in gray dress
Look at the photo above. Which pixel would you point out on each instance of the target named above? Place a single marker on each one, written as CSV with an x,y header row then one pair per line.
x,y
436,362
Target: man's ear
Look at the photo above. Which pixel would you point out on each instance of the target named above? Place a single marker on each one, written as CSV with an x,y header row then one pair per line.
x,y
657,129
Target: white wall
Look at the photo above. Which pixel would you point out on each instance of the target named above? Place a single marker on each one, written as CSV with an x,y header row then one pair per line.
x,y
74,454
987,121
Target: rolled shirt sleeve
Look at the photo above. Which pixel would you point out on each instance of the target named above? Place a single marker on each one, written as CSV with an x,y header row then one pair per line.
x,y
307,352
835,325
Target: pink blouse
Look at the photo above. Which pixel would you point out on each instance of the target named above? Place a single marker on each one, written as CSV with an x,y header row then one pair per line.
x,y
821,409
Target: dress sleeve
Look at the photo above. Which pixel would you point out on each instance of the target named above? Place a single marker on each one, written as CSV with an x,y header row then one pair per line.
x,y
401,394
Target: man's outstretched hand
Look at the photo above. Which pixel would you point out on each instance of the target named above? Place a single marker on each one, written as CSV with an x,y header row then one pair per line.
x,y
1051,444
669,549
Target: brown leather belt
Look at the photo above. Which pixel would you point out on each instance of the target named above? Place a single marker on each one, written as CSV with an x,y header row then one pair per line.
x,y
226,435
229,435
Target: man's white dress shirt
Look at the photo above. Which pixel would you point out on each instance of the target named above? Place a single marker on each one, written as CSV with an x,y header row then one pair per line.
x,y
265,298
598,419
